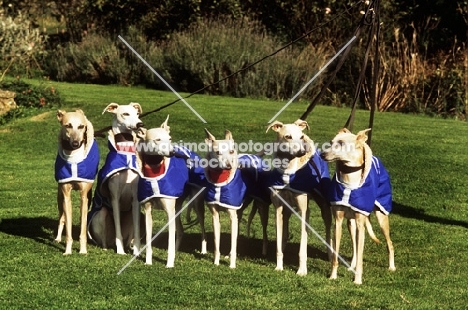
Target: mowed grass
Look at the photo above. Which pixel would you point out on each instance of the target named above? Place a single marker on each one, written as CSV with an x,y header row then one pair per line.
x,y
426,157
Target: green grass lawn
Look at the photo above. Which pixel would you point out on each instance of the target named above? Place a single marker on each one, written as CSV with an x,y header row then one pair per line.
x,y
426,157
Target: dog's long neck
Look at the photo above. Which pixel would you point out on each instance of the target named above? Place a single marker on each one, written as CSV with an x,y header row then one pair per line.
x,y
70,154
351,173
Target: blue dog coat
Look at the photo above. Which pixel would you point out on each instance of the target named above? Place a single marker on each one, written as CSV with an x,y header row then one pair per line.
x,y
228,194
375,190
83,171
313,176
169,184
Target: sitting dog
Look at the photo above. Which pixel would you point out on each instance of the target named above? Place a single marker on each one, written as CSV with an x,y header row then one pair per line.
x,y
115,214
301,175
76,166
164,185
229,180
360,185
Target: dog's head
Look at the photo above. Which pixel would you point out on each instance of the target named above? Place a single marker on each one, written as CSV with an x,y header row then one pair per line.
x,y
156,141
347,147
74,128
126,117
222,154
291,141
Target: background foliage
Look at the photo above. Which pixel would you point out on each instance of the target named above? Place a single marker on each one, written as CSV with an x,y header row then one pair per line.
x,y
193,43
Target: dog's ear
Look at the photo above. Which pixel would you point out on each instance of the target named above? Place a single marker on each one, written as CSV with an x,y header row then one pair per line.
x,y
141,133
111,108
302,124
344,130
276,126
165,126
228,135
60,115
362,135
79,111
209,137
137,106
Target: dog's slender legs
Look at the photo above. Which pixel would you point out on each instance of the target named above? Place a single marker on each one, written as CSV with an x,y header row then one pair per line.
x,y
352,232
361,230
216,233
279,236
136,218
149,232
85,189
115,197
169,207
67,209
385,227
302,202
339,216
200,211
234,233
60,202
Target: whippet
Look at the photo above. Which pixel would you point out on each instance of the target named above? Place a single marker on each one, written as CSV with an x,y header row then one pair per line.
x,y
301,175
361,184
164,185
117,188
76,166
227,185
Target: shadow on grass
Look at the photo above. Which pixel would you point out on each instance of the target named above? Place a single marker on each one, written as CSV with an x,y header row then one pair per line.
x,y
419,214
40,229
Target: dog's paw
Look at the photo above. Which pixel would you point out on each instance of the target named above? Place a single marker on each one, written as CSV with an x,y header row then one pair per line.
x,y
392,268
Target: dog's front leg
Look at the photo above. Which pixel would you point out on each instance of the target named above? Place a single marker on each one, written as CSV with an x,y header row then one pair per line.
x,y
339,216
67,210
149,232
279,237
60,202
361,229
352,232
84,188
115,192
234,233
216,232
263,211
302,203
136,217
169,207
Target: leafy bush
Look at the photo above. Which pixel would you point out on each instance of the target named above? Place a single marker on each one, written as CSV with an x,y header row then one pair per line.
x,y
212,50
20,44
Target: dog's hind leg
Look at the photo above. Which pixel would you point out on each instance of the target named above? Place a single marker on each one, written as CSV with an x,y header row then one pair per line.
x,y
385,226
169,207
263,211
352,232
200,211
302,203
61,223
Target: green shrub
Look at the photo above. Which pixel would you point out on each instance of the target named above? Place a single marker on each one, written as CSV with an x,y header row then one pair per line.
x,y
212,50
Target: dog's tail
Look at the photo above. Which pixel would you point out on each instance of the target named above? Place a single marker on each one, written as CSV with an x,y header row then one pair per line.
x,y
371,231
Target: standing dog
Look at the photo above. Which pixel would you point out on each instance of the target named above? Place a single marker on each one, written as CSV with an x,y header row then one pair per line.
x,y
361,185
164,185
117,187
302,175
228,182
76,166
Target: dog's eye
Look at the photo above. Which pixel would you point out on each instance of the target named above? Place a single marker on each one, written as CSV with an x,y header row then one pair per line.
x,y
288,137
302,137
231,152
81,127
69,126
125,114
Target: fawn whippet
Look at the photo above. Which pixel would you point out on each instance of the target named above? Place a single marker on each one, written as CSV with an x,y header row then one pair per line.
x,y
361,184
76,167
302,175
